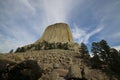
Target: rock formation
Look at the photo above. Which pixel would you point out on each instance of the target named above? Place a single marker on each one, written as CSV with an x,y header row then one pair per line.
x,y
58,58
56,36
59,32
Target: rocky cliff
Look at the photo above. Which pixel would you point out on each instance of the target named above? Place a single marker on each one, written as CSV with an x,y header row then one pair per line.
x,y
55,64
58,57
59,32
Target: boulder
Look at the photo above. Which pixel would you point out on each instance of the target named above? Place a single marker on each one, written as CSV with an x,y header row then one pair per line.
x,y
54,76
74,72
4,63
26,70
62,72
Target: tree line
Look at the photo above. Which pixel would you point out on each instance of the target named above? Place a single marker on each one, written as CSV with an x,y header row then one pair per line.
x,y
43,46
103,56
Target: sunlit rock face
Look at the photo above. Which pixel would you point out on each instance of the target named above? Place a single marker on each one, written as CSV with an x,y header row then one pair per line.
x,y
59,32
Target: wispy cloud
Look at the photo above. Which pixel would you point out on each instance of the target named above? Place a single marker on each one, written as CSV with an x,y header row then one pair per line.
x,y
115,35
14,24
28,5
87,37
8,43
55,11
81,35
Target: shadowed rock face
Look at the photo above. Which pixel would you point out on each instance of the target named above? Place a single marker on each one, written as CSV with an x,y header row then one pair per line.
x,y
59,32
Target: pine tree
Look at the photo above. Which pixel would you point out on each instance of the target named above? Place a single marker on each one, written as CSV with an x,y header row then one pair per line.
x,y
101,49
114,60
95,61
84,50
104,51
17,50
95,48
11,51
104,55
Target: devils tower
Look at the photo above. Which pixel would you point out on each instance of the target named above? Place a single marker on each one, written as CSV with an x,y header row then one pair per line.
x,y
56,36
59,32
54,56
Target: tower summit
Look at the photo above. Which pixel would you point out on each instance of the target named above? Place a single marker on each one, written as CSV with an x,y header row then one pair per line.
x,y
59,32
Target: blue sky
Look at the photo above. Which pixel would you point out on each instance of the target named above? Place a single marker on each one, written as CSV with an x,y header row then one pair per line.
x,y
23,21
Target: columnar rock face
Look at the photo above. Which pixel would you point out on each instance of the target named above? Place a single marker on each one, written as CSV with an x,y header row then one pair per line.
x,y
59,32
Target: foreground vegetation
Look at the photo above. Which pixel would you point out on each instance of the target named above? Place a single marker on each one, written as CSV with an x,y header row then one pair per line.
x,y
103,57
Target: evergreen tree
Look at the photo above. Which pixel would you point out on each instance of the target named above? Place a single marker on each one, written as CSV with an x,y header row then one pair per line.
x,y
37,47
95,48
22,49
114,60
104,51
95,61
17,50
84,50
101,49
11,51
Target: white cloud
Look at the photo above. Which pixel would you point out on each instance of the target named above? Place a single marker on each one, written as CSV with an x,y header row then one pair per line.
x,y
19,38
54,11
7,44
115,35
95,31
17,7
81,35
78,34
28,5
13,31
58,10
15,37
116,47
